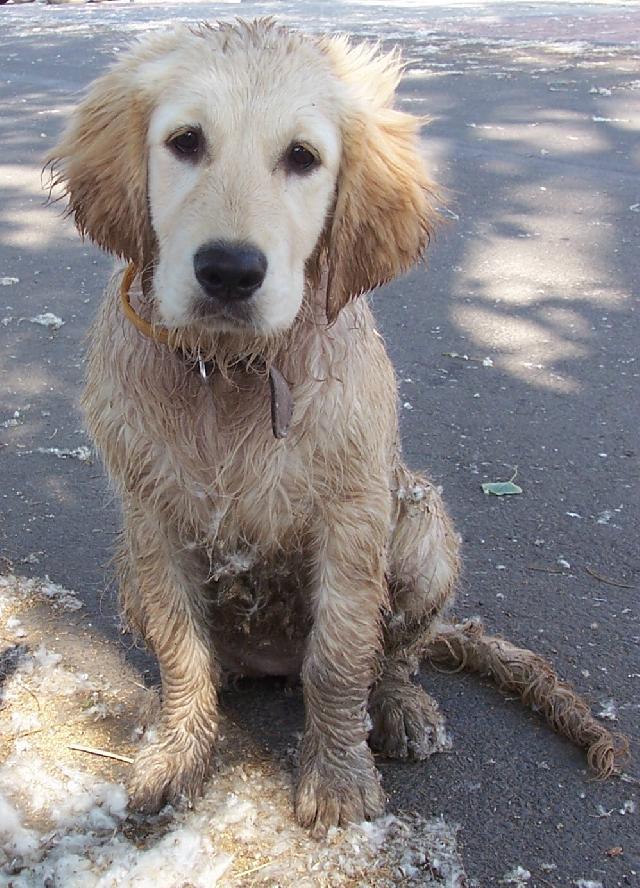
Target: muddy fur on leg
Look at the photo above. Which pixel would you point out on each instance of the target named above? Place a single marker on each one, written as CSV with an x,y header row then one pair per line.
x,y
467,646
406,721
423,566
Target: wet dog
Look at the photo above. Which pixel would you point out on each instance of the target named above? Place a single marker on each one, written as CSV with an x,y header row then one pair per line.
x,y
258,182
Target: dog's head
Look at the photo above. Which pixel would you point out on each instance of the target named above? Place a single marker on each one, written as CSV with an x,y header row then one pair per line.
x,y
239,161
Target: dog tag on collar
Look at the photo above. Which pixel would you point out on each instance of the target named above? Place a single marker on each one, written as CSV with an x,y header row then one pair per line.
x,y
281,403
202,367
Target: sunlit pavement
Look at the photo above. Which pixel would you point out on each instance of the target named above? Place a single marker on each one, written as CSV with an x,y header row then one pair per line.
x,y
516,350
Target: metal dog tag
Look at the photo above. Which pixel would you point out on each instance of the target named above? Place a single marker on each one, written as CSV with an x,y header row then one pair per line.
x,y
202,367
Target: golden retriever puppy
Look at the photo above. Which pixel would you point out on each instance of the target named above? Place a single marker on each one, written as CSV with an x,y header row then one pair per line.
x,y
257,181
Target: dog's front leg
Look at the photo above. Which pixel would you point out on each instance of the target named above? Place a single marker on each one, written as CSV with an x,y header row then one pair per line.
x,y
338,781
165,599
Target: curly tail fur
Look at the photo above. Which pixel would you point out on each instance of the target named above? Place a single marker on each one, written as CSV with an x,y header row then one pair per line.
x,y
466,646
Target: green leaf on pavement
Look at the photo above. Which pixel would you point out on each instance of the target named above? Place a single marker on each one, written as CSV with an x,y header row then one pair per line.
x,y
501,488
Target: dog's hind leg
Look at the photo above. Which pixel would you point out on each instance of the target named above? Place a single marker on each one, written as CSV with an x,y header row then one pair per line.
x,y
406,722
423,565
161,590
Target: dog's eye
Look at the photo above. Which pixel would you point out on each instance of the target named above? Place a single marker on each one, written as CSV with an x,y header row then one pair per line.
x,y
301,159
187,143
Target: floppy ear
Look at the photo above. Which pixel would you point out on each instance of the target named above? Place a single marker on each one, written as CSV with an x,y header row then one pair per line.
x,y
385,204
101,161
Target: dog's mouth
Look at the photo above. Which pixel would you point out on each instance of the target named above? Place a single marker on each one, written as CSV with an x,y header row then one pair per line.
x,y
225,315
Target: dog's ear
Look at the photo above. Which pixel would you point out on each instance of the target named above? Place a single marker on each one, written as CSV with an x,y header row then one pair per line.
x,y
101,161
385,204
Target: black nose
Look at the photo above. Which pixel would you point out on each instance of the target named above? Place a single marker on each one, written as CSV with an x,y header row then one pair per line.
x,y
228,270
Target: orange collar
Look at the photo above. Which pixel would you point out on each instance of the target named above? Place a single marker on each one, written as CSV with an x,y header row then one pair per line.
x,y
152,331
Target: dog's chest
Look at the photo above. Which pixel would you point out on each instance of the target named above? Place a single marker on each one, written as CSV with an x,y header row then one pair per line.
x,y
250,493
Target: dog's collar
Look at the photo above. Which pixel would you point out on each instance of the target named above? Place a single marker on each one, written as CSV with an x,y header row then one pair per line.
x,y
281,399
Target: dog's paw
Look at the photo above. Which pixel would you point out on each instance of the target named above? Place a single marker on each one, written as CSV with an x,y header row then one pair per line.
x,y
338,788
169,770
407,723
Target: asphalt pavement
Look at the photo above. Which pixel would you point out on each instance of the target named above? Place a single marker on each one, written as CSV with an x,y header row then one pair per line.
x,y
517,350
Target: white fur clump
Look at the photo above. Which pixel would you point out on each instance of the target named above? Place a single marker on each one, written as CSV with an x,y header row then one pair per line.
x,y
48,319
43,659
84,813
518,876
414,494
92,806
82,453
24,722
30,784
608,710
14,588
15,839
14,625
86,848
232,565
180,853
42,671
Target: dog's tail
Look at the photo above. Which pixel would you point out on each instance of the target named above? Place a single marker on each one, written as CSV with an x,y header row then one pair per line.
x,y
518,670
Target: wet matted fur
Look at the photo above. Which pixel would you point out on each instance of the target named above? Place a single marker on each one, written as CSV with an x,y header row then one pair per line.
x,y
318,554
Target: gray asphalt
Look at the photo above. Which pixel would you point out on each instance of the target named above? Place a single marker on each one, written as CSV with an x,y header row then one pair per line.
x,y
536,113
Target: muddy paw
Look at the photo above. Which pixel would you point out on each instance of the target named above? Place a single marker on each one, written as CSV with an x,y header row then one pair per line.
x,y
336,788
407,723
168,771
